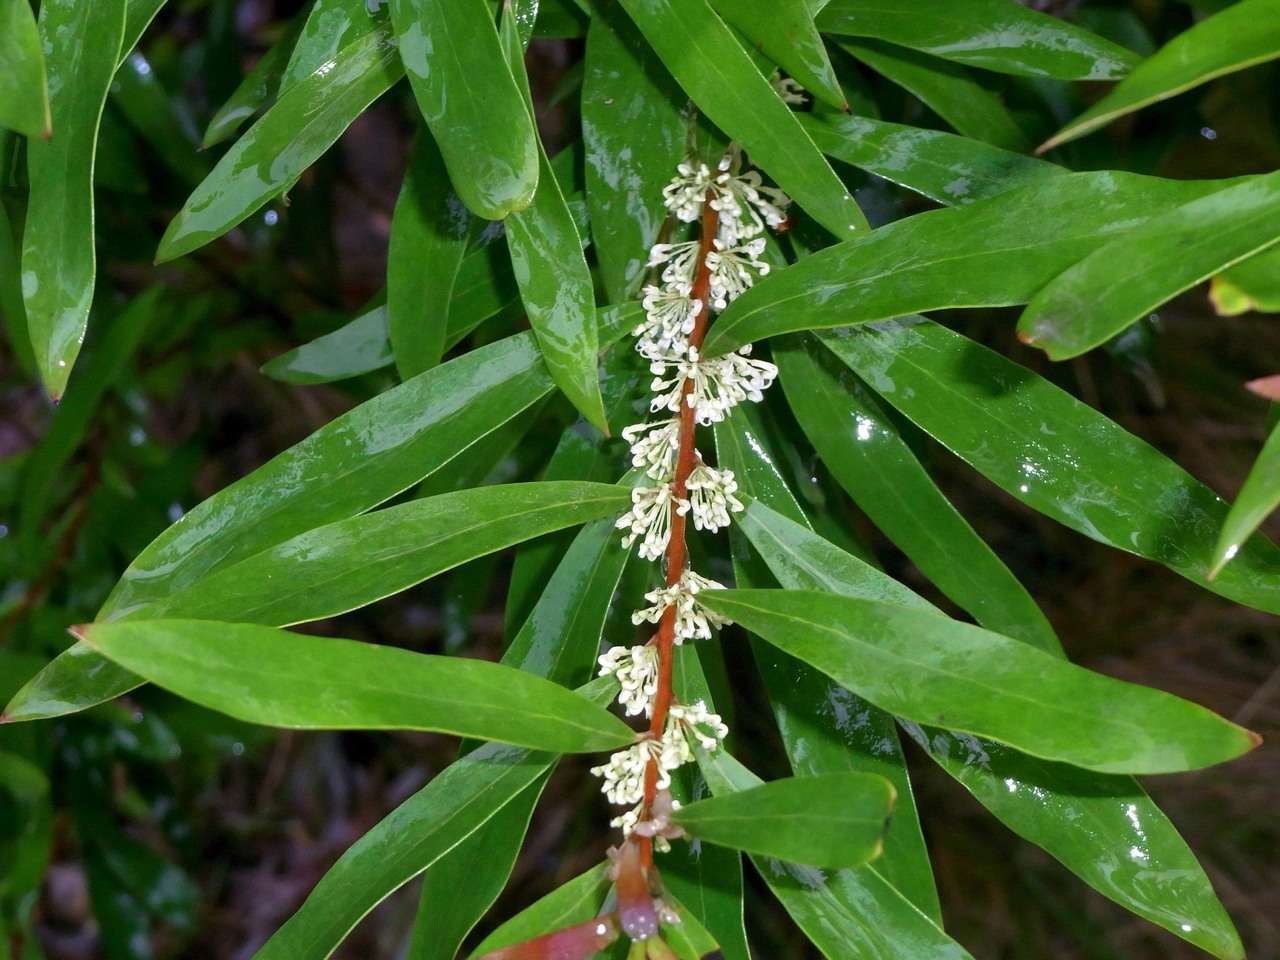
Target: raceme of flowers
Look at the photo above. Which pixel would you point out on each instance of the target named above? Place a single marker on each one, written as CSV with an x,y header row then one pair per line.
x,y
711,387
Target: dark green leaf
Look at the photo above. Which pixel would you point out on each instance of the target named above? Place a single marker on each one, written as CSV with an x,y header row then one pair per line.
x,y
1124,280
273,153
329,27
708,62
357,347
273,677
1056,454
785,33
12,312
994,252
470,101
58,262
1242,35
574,902
138,95
1259,496
996,35
258,89
1252,284
428,241
930,669
24,92
138,17
829,820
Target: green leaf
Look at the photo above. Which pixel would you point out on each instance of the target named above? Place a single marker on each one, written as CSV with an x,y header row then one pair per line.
x,y
930,669
138,17
424,255
1252,284
1243,35
1056,454
994,252
349,564
689,939
359,346
58,262
471,101
829,820
1105,829
258,89
330,26
1259,496
273,153
362,458
625,88
708,62
552,273
785,33
24,91
858,442
1124,280
273,677
12,312
574,902
998,35
942,166
138,95
945,88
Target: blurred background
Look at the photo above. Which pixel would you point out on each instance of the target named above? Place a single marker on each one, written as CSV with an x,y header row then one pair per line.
x,y
180,833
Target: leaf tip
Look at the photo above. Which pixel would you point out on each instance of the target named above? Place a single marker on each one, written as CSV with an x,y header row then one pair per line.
x,y
80,631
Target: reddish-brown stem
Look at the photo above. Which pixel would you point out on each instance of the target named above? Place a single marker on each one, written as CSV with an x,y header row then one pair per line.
x,y
677,551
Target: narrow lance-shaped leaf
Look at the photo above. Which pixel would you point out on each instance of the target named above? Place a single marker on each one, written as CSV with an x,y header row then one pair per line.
x,y
993,252
1259,496
329,26
998,35
1124,280
270,676
58,260
428,241
273,153
12,312
830,820
785,32
1056,454
471,102
706,59
1103,828
946,88
575,902
625,88
138,95
1243,35
24,91
934,670
258,89
138,17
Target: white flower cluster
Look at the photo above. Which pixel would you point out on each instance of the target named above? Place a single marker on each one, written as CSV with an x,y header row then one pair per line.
x,y
707,387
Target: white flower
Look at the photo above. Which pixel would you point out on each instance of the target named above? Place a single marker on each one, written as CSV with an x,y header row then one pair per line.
x,y
686,192
789,90
719,383
681,261
637,670
626,822
693,620
670,370
711,497
624,773
732,265
670,315
695,720
650,519
655,446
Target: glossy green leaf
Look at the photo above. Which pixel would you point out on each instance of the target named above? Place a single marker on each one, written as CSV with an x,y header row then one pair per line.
x,y
574,902
1056,454
456,803
708,62
1252,284
1259,496
24,91
273,677
625,88
858,442
1243,35
784,31
471,102
258,89
994,252
942,166
359,346
998,35
1124,280
945,88
348,466
552,273
428,241
933,670
829,820
329,27
273,153
807,705
58,261
689,939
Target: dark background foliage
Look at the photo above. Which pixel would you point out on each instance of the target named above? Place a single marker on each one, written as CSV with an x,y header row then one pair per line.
x,y
206,834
